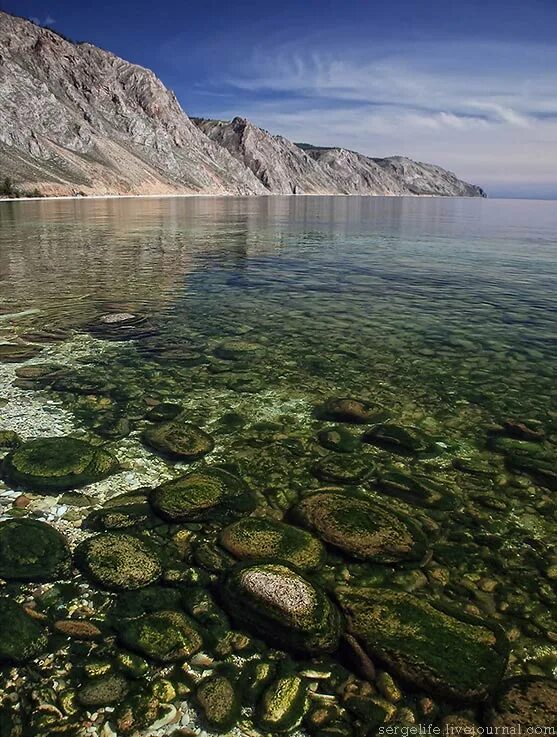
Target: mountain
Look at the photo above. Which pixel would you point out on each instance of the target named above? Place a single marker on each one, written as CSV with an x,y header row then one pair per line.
x,y
77,119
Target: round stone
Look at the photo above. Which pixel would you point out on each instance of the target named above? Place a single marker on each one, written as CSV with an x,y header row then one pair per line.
x,y
21,637
237,350
31,550
103,691
57,464
346,409
178,440
339,439
361,528
258,537
203,495
164,636
118,561
219,701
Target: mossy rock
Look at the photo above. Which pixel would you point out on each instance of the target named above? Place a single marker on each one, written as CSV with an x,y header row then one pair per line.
x,y
118,561
347,409
256,676
165,636
31,550
103,691
344,468
339,439
124,517
260,537
9,440
537,459
164,412
218,698
39,375
203,495
132,604
21,636
16,352
178,440
238,350
282,705
57,464
416,489
454,657
372,710
524,701
282,607
406,440
361,528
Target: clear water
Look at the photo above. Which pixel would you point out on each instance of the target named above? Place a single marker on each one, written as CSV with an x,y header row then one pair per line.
x,y
440,312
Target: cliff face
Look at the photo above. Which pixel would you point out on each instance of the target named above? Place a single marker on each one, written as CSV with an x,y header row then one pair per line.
x,y
75,118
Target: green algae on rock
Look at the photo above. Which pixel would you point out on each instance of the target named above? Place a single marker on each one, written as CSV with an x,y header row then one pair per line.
x,y
534,458
118,561
21,636
135,603
361,528
31,550
123,517
57,464
164,636
103,691
164,412
9,440
211,493
178,440
346,409
218,699
339,439
405,440
461,658
339,468
283,607
282,705
416,489
260,537
238,350
525,700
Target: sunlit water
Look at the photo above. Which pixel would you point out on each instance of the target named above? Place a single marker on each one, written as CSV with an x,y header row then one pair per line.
x,y
441,312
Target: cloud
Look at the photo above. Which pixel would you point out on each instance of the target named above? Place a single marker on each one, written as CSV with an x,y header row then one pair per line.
x,y
487,110
48,20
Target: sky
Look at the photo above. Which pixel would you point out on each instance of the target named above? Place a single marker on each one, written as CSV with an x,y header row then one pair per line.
x,y
468,85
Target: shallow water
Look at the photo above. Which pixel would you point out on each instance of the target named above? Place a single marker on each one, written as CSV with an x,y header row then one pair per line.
x,y
438,313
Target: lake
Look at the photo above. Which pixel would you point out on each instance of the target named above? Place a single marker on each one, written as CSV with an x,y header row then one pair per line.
x,y
372,380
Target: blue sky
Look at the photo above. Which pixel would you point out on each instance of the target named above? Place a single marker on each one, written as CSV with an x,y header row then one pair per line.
x,y
469,85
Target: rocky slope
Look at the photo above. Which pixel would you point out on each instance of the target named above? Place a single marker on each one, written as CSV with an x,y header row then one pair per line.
x,y
77,119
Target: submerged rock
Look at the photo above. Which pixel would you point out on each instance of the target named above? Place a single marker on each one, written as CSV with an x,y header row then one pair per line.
x,y
164,412
537,459
120,326
339,439
163,636
346,409
259,537
178,440
219,701
21,636
9,440
238,350
15,352
31,550
344,469
282,705
416,489
203,495
525,700
283,607
103,691
118,561
57,464
461,658
131,604
123,517
406,440
361,528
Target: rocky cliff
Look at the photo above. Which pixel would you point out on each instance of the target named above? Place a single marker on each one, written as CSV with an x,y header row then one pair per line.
x,y
77,119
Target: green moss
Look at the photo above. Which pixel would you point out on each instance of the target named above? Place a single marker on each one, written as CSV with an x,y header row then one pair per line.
x,y
259,537
416,489
256,676
361,528
281,606
131,604
164,636
103,691
282,705
9,439
344,468
218,699
164,412
118,561
460,658
204,495
120,518
21,637
57,464
31,550
537,459
178,440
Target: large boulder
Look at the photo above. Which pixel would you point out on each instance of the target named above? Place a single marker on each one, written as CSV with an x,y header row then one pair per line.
x,y
525,700
21,636
118,561
165,636
57,464
31,550
361,528
178,440
455,657
260,537
283,607
203,495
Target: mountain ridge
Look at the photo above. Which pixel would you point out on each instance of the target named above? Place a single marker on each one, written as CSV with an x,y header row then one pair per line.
x,y
76,119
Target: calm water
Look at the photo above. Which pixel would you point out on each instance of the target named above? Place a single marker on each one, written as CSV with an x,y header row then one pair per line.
x,y
439,313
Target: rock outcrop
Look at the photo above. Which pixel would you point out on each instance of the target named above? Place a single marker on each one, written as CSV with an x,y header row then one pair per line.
x,y
77,119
